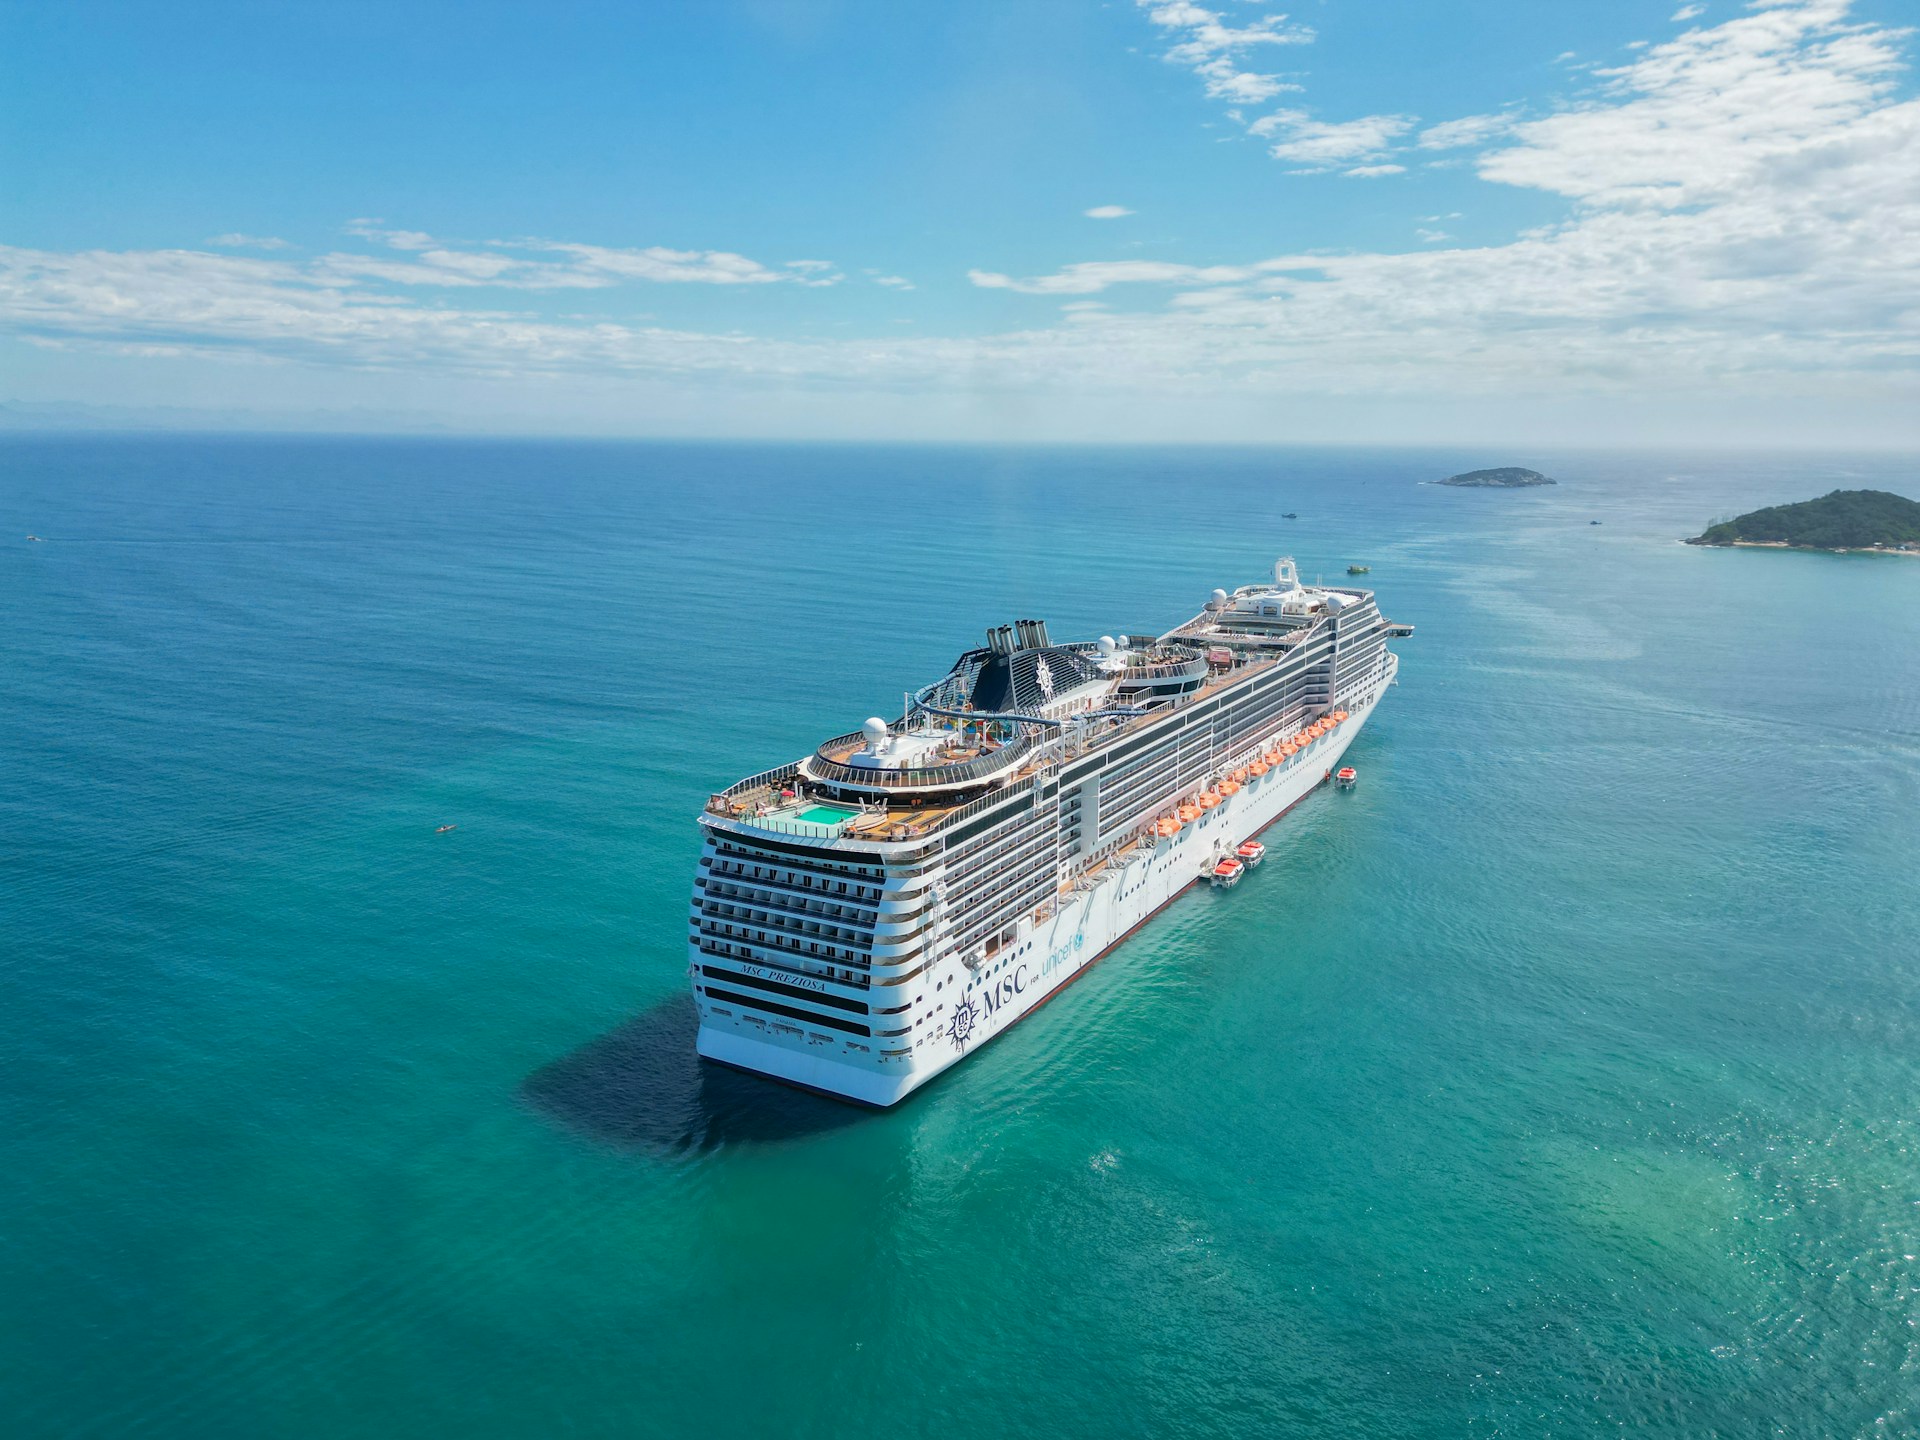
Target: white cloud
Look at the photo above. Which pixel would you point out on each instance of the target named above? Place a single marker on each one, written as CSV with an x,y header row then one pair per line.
x,y
1469,130
1092,276
1746,197
1431,237
682,267
1107,212
1371,172
1209,46
398,239
1320,144
233,240
1718,113
893,282
1688,12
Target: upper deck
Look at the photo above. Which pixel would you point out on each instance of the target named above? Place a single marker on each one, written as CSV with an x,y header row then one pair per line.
x,y
1021,705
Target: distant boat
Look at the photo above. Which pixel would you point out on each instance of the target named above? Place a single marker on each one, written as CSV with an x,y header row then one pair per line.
x,y
1593,522
444,828
1359,569
36,539
1289,516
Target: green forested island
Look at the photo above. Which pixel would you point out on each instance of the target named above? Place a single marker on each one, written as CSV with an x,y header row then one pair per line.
x,y
1504,477
1844,520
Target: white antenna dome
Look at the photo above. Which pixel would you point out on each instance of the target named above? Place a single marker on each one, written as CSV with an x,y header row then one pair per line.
x,y
1108,645
1219,600
876,732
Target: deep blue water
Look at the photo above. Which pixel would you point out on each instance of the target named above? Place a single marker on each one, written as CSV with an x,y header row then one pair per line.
x,y
1561,1078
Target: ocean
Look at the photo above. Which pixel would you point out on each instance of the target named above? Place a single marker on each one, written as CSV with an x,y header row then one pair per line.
x,y
1562,1077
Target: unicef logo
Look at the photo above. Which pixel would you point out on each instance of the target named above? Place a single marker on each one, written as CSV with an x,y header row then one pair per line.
x,y
960,1027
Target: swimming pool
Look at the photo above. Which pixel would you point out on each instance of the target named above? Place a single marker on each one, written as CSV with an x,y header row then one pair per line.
x,y
825,814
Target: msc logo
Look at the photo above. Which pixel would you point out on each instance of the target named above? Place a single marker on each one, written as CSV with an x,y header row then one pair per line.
x,y
960,1027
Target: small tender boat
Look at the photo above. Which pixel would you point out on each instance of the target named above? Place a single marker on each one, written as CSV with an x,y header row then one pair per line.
x,y
1359,569
1250,852
444,828
1289,515
1227,871
1345,776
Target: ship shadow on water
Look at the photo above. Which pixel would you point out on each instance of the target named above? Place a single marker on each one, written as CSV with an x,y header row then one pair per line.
x,y
642,1087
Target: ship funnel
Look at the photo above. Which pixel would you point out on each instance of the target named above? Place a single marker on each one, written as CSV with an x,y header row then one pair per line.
x,y
1040,633
1000,639
1286,574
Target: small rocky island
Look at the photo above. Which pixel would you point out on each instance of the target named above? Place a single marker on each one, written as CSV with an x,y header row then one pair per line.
x,y
1505,477
1845,520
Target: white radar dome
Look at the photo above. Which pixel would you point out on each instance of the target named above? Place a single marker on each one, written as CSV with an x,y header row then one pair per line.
x,y
1219,600
876,732
1108,645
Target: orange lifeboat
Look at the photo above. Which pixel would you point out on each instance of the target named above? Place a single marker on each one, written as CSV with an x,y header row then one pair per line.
x,y
1258,768
1289,750
1341,716
1167,826
1229,787
1208,799
1240,775
1189,814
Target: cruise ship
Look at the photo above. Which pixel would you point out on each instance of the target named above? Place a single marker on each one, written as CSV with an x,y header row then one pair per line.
x,y
873,913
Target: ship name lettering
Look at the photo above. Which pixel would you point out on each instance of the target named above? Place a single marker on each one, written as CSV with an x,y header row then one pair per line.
x,y
998,995
787,977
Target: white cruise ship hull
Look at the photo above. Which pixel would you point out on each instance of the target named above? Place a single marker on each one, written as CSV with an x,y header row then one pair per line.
x,y
1048,953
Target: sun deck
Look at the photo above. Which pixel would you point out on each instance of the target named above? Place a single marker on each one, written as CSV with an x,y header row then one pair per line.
x,y
787,800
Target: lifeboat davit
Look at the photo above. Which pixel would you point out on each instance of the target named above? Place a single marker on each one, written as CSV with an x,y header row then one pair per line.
x,y
1251,852
1227,871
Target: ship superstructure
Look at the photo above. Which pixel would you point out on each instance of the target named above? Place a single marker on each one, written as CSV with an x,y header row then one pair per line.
x,y
868,915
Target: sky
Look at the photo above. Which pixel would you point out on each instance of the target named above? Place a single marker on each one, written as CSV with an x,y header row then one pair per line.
x,y
1142,220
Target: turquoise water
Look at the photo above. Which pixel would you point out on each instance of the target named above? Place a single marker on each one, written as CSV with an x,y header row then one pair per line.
x,y
1561,1077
